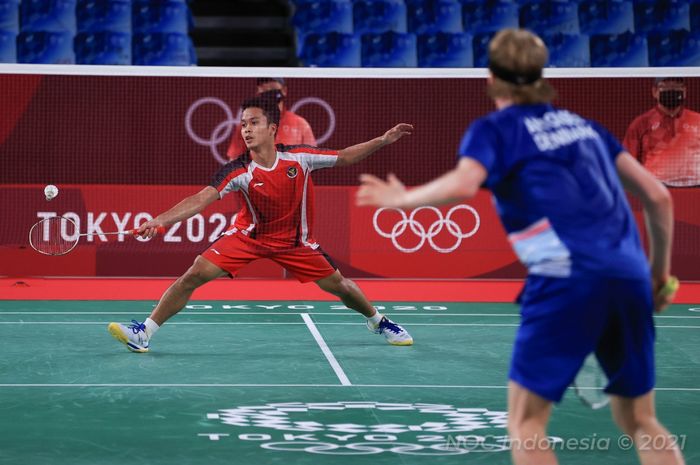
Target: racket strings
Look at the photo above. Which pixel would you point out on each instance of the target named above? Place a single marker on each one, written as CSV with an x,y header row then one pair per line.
x,y
590,383
54,236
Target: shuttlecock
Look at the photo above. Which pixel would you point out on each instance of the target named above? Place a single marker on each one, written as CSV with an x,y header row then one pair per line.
x,y
50,191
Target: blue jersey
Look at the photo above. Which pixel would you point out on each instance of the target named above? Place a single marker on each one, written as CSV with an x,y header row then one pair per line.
x,y
556,189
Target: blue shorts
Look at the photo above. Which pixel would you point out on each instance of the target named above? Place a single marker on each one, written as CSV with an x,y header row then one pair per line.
x,y
564,320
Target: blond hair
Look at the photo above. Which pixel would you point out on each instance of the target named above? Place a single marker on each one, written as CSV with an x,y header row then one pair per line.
x,y
516,60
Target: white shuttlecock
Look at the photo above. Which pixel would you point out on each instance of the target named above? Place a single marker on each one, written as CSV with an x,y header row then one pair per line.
x,y
50,191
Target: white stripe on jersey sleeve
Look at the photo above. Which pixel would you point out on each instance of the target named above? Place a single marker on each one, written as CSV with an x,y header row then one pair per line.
x,y
239,182
310,161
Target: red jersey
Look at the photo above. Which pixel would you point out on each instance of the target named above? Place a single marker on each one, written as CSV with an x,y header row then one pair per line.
x,y
292,130
667,146
278,201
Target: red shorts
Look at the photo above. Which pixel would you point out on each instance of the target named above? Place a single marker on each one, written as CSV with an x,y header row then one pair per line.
x,y
233,252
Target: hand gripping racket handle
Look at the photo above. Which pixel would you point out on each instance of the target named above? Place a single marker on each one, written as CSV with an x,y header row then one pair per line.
x,y
159,230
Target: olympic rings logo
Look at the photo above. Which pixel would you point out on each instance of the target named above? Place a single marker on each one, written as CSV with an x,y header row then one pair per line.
x,y
427,234
222,131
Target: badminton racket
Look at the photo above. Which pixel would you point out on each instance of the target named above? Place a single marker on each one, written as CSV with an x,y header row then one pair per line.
x,y
589,384
58,235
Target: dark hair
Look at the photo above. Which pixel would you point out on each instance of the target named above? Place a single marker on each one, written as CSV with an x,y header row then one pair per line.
x,y
659,80
264,80
268,106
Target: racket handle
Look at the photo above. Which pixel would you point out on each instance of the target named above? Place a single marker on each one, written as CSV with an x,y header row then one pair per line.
x,y
159,230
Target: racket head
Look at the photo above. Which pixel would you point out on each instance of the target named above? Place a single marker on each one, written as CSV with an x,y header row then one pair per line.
x,y
590,383
54,236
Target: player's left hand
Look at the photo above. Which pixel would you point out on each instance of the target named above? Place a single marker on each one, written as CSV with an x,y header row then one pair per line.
x,y
664,292
397,132
376,192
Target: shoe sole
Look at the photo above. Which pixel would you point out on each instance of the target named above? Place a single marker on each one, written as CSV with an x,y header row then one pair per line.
x,y
402,343
117,334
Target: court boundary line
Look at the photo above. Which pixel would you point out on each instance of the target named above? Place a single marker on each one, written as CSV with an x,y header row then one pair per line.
x,y
299,385
339,313
344,380
271,323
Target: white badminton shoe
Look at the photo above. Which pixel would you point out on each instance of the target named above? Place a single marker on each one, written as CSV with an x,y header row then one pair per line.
x,y
393,333
133,335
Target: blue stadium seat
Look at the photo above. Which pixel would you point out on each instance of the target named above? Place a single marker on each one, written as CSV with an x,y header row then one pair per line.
x,y
619,50
165,16
674,48
321,16
103,48
104,15
445,50
661,15
389,50
9,16
568,50
162,49
8,47
377,16
695,16
332,49
489,15
46,47
606,17
324,16
550,17
48,15
480,45
428,16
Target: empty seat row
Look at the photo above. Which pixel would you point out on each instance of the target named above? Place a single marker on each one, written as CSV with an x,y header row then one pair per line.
x,y
97,48
543,16
137,16
393,49
115,32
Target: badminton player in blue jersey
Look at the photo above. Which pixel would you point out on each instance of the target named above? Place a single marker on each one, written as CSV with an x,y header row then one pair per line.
x,y
557,180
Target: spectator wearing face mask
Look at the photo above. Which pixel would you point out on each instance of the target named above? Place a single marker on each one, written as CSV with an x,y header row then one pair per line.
x,y
292,130
666,139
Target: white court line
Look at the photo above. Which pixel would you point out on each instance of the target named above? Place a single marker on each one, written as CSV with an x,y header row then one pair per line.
x,y
338,313
402,313
326,351
242,323
224,385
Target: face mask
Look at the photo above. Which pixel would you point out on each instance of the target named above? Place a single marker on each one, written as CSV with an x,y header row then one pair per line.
x,y
671,99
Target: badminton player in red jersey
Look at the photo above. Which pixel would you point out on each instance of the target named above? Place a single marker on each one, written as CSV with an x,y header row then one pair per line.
x,y
275,222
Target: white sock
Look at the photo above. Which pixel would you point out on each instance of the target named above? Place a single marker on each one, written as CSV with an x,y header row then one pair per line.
x,y
374,320
151,327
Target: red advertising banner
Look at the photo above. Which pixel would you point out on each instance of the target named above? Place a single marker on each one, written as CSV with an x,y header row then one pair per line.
x,y
124,148
454,242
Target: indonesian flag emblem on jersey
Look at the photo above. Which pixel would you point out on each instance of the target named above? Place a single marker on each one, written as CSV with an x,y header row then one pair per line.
x,y
277,202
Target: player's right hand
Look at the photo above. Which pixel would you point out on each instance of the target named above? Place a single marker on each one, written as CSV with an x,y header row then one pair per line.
x,y
375,192
150,228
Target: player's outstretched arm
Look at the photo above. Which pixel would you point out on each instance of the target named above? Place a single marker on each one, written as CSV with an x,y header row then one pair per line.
x,y
461,183
658,212
183,210
355,153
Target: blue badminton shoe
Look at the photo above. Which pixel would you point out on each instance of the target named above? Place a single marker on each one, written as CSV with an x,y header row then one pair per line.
x,y
393,333
133,335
